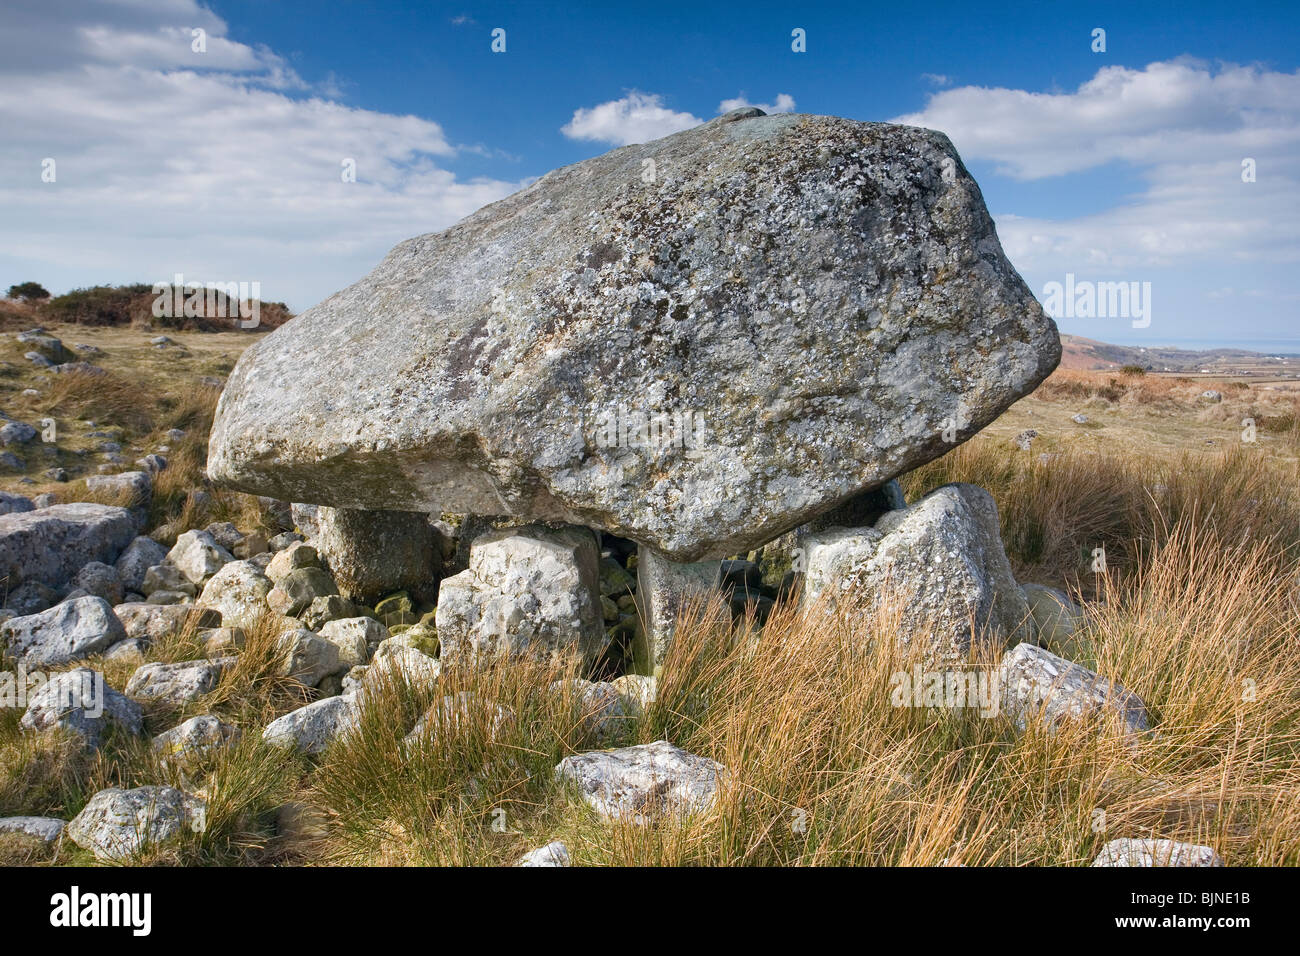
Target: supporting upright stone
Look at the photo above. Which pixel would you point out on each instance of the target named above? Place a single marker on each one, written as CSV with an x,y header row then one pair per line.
x,y
530,591
663,587
373,553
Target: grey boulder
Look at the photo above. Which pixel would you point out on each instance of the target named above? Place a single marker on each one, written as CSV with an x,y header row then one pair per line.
x,y
1135,852
71,631
941,559
1036,683
794,310
50,545
116,825
80,701
531,590
644,783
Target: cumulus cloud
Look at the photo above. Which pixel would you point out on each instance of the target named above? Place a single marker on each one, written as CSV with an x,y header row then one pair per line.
x,y
1185,126
223,165
635,118
784,104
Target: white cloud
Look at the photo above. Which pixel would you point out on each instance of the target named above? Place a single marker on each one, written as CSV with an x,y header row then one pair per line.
x,y
635,118
1184,126
784,104
215,165
937,79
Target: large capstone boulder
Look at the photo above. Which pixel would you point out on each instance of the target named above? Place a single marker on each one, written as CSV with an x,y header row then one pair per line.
x,y
50,545
71,631
531,590
940,562
789,311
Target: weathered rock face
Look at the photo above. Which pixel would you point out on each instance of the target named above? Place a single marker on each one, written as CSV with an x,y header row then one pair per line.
x,y
71,631
794,309
118,824
176,684
81,702
1133,852
238,591
645,782
529,590
52,544
1035,683
941,559
373,553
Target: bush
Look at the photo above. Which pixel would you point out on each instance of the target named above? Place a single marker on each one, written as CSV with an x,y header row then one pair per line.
x,y
1133,370
28,291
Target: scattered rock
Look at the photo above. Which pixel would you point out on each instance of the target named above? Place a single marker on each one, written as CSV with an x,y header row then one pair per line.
x,y
313,728
1211,396
81,701
355,637
463,711
45,830
52,544
166,577
16,433
194,738
137,484
1130,852
1036,682
15,504
116,825
553,854
1079,419
308,658
298,589
176,684
322,610
154,622
198,556
132,565
601,706
645,782
1025,440
67,632
292,557
238,591
100,580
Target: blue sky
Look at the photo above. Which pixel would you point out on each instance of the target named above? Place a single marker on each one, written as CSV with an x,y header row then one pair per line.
x,y
1114,166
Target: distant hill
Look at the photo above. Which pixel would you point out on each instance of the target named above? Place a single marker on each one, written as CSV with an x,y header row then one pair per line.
x,y
1078,352
133,304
